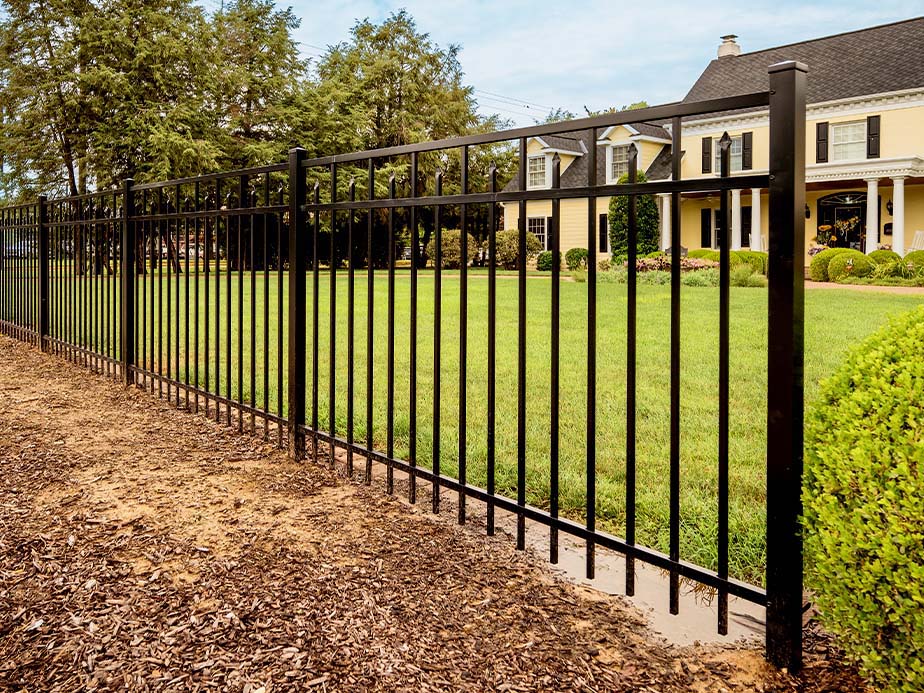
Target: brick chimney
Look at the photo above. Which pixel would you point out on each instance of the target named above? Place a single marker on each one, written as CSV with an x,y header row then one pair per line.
x,y
729,46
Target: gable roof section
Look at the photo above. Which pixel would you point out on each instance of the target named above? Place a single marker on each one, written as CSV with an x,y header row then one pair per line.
x,y
880,59
572,145
575,176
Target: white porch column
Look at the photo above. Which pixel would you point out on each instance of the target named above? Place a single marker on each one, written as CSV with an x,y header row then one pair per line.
x,y
736,220
665,221
898,215
872,214
756,240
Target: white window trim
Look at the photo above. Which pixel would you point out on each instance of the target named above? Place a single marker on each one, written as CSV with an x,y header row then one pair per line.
x,y
610,150
716,154
862,141
545,230
548,171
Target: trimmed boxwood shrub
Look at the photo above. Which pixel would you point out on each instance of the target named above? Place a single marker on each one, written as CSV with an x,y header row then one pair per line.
x,y
882,257
576,258
818,267
508,248
452,249
863,499
851,263
916,259
758,261
702,253
545,260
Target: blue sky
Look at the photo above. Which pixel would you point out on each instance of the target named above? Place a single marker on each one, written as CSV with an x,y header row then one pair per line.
x,y
523,56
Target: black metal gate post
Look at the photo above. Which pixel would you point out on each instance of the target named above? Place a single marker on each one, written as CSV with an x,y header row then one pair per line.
x,y
127,298
296,297
42,229
785,364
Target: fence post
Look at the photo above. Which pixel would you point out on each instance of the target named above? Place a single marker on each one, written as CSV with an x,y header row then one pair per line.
x,y
127,299
43,271
785,364
296,296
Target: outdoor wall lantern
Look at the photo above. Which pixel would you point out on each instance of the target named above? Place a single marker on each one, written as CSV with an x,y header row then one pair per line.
x,y
808,212
889,207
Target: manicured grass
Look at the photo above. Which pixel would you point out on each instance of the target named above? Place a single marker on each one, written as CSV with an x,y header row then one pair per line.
x,y
835,320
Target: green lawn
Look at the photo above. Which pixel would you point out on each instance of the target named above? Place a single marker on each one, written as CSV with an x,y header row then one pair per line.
x,y
835,320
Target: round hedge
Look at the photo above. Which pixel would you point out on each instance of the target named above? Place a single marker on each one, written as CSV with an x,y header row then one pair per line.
x,y
863,499
758,261
851,263
544,261
916,259
884,257
576,258
701,253
818,267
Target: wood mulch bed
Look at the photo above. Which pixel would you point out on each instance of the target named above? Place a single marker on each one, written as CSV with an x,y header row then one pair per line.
x,y
142,548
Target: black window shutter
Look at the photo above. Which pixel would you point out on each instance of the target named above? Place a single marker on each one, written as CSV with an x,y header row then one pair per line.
x,y
705,237
707,155
548,232
821,142
745,227
872,137
747,146
603,240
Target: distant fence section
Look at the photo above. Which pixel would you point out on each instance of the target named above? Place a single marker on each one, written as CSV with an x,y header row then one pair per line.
x,y
209,292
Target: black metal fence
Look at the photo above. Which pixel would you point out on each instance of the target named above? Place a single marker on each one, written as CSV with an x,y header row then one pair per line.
x,y
208,291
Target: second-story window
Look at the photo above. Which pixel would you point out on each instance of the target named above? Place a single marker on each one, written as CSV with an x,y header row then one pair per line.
x,y
735,151
620,165
536,172
848,140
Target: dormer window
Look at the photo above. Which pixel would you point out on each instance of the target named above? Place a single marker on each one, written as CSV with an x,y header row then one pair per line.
x,y
620,164
537,172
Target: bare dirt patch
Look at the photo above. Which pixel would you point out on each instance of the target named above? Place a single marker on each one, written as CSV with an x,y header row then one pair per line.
x,y
142,548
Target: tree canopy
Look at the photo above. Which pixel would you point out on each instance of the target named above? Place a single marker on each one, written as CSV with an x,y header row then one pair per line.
x,y
95,91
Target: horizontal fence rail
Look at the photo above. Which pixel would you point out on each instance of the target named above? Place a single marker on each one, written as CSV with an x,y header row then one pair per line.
x,y
294,302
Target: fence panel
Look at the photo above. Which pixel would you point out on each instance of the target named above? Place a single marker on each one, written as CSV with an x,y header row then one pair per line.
x,y
449,378
20,271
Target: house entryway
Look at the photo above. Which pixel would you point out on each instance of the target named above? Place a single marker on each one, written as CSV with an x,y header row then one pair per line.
x,y
842,220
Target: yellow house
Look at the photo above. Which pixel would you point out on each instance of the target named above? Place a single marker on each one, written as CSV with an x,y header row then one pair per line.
x,y
864,147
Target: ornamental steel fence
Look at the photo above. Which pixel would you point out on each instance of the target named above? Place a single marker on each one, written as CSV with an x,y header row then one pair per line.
x,y
256,297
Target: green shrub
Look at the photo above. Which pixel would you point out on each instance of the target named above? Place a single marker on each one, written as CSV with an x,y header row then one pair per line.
x,y
703,253
881,257
605,265
863,499
849,264
818,267
758,261
703,277
648,222
451,249
579,275
654,278
743,275
508,248
657,253
916,259
576,258
545,261
888,269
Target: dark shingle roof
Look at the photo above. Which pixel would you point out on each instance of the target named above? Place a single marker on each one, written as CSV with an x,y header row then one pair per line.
x,y
575,176
567,144
651,130
870,61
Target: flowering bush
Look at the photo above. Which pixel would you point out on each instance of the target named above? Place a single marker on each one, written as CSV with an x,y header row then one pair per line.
x,y
663,264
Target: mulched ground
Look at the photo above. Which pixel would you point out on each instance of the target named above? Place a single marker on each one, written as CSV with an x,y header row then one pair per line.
x,y
143,548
